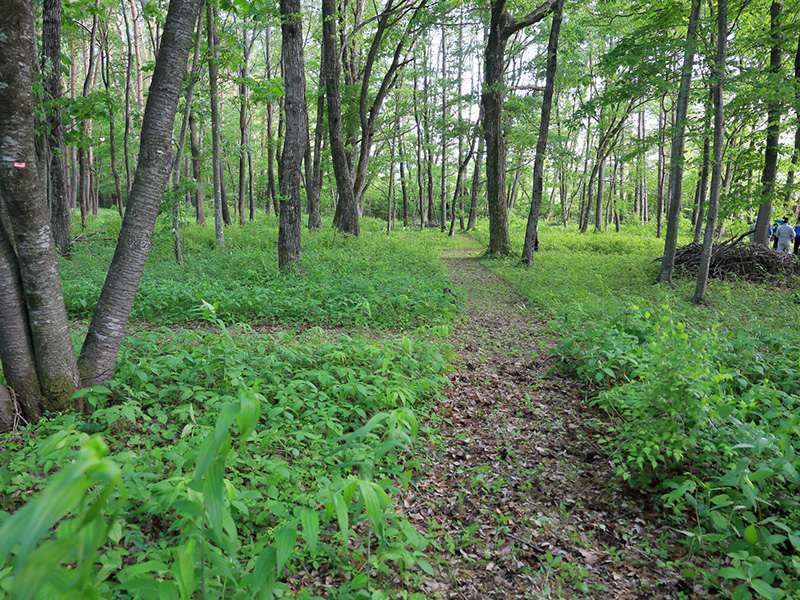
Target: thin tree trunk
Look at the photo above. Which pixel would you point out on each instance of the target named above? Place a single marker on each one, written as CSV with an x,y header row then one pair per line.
x,y
178,161
216,156
197,171
773,132
272,193
718,75
676,154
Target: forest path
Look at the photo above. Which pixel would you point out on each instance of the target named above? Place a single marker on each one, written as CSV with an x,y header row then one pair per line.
x,y
515,490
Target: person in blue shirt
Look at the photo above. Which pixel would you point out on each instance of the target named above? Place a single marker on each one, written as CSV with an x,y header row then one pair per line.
x,y
773,232
797,237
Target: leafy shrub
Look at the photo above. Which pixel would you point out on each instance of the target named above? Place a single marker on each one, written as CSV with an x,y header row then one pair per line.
x,y
713,416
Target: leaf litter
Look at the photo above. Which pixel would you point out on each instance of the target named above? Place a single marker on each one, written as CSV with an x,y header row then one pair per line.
x,y
518,497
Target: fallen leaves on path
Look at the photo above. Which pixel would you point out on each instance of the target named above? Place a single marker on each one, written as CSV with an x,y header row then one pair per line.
x,y
519,497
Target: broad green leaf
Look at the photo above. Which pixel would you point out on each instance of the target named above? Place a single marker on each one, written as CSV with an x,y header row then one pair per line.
x,y
310,521
341,514
731,573
766,590
751,534
285,539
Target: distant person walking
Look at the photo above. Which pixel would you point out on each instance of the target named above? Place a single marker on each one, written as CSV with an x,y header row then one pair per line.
x,y
785,235
797,237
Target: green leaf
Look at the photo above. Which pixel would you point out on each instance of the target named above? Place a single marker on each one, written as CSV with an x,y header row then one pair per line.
x,y
425,566
766,590
751,534
285,538
372,501
310,520
341,514
731,573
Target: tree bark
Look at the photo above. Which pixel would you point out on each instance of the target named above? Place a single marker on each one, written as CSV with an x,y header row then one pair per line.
x,y
544,128
772,149
676,154
296,140
99,352
37,277
197,171
502,27
216,156
718,74
51,68
346,207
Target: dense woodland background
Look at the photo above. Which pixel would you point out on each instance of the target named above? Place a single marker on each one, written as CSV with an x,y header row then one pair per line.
x,y
412,75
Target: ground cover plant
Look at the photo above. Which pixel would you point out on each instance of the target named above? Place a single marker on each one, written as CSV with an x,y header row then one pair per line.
x,y
223,464
703,403
230,463
374,280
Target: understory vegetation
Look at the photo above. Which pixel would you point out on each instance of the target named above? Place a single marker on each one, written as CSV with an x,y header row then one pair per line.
x,y
223,461
703,404
227,462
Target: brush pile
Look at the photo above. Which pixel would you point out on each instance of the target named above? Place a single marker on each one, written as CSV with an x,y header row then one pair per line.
x,y
738,258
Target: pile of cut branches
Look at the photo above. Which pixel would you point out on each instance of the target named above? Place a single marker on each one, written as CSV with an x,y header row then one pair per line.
x,y
737,258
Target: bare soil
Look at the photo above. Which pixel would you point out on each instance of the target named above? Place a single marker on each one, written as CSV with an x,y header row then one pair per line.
x,y
518,495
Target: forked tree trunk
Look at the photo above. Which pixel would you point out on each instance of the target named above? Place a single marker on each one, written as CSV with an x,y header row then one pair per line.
x,y
34,329
346,207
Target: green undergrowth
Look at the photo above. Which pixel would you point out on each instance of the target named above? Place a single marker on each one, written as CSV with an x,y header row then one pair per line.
x,y
711,418
703,403
376,280
225,464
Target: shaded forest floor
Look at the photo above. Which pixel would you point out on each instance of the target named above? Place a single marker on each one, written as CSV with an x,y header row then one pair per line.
x,y
515,490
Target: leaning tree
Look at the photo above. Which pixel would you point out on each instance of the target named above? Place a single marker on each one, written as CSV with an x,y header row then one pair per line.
x,y
36,349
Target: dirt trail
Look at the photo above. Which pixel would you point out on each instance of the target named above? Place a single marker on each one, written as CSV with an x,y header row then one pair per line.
x,y
516,492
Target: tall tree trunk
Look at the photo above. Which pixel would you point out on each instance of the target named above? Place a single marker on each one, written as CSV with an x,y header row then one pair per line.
x,y
108,73
661,168
244,137
51,57
502,27
126,149
296,141
676,154
100,349
443,199
314,185
216,152
197,171
178,161
346,208
84,192
773,131
718,75
272,192
531,229
796,150
37,329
